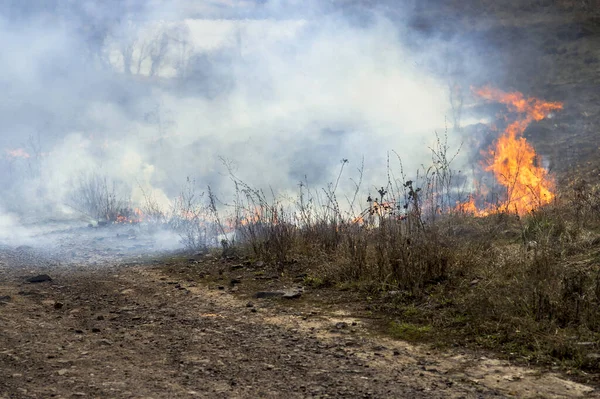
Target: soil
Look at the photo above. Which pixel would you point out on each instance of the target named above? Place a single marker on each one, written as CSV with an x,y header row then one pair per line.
x,y
182,327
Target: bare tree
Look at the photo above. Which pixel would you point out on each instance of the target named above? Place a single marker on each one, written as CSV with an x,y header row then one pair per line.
x,y
182,49
158,51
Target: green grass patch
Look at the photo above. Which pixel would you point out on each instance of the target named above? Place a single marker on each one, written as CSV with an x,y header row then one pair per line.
x,y
409,331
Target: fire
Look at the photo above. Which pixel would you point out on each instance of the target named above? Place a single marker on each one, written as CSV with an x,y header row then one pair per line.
x,y
188,214
470,208
358,220
18,153
134,216
384,209
513,160
251,216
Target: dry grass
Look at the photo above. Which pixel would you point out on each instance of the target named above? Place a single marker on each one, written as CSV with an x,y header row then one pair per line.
x,y
525,285
99,198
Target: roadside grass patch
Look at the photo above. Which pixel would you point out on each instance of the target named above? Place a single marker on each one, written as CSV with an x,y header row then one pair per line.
x,y
409,332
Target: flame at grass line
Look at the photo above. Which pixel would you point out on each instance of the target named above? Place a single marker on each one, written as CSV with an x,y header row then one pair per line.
x,y
513,161
135,216
377,210
17,153
246,217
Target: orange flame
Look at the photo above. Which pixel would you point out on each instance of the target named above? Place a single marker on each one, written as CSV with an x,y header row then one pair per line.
x,y
358,220
136,216
470,208
249,217
18,153
513,160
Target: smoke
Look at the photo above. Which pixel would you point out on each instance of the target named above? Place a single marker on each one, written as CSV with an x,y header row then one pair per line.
x,y
149,93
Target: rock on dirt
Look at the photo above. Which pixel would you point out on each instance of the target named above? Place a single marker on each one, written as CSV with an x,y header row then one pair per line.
x,y
292,295
40,278
268,294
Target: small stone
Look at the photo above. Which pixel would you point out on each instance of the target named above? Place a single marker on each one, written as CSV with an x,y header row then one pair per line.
x,y
260,263
249,305
235,281
58,305
341,325
292,295
95,330
269,294
105,342
100,317
62,371
40,278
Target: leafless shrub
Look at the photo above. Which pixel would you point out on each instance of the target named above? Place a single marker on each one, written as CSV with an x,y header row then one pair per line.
x,y
99,198
190,218
263,223
154,214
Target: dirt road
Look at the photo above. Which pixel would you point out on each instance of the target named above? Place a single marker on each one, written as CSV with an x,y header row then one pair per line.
x,y
138,332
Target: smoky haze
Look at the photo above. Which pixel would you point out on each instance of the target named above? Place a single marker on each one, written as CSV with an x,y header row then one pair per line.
x,y
148,93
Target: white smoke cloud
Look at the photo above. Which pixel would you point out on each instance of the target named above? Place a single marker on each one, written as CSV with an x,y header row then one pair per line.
x,y
284,89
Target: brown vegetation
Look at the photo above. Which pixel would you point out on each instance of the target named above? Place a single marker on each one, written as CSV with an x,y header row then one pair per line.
x,y
525,285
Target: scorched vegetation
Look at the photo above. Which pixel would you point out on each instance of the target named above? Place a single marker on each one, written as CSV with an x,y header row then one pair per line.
x,y
512,267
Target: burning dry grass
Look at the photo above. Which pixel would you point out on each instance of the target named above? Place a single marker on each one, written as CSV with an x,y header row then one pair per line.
x,y
521,277
527,285
525,281
99,199
512,159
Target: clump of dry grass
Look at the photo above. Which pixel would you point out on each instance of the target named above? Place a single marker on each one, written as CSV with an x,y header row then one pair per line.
x,y
528,285
99,198
190,215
